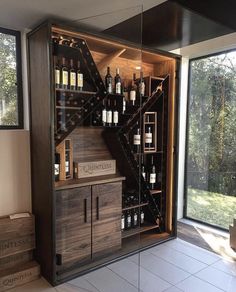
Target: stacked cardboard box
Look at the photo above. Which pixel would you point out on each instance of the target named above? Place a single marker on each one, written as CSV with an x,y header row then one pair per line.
x,y
17,241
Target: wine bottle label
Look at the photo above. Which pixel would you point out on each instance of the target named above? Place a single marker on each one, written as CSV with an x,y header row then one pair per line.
x,y
118,88
109,88
142,88
57,169
57,76
142,217
115,117
104,116
67,166
135,219
129,220
148,138
152,178
132,95
122,223
65,78
109,117
124,105
137,139
72,79
144,175
80,80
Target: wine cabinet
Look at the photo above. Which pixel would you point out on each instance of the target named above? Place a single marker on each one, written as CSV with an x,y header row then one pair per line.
x,y
103,143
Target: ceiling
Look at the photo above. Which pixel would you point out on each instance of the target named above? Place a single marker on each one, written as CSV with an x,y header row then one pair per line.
x,y
21,14
167,25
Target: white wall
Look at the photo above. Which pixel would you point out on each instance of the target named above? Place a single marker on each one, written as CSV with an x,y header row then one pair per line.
x,y
15,187
219,44
15,194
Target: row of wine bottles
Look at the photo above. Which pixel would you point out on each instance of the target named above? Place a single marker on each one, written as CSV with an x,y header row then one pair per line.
x,y
150,173
148,138
132,219
128,90
68,76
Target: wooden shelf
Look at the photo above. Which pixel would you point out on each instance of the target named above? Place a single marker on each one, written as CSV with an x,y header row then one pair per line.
x,y
68,107
76,91
141,229
153,192
75,183
135,206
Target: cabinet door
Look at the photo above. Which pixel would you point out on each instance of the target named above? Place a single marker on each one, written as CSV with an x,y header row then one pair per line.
x,y
106,216
73,224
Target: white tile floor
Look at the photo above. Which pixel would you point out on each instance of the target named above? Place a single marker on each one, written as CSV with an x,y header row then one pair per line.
x,y
171,267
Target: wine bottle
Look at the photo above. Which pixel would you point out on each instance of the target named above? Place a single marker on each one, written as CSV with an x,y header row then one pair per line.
x,y
143,169
148,137
132,93
137,140
142,217
141,85
122,222
135,219
115,115
152,175
57,166
80,78
128,220
109,114
57,72
64,74
117,82
72,75
104,113
108,81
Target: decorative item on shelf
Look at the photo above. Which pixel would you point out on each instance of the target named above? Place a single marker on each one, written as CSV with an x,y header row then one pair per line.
x,y
94,168
65,150
57,167
150,132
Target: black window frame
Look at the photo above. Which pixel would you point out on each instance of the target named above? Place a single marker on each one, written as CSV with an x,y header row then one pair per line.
x,y
187,138
20,105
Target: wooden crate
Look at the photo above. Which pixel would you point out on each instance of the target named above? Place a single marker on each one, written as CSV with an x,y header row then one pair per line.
x,y
94,168
19,275
16,235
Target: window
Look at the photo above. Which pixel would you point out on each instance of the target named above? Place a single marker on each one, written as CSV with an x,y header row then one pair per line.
x,y
11,105
210,174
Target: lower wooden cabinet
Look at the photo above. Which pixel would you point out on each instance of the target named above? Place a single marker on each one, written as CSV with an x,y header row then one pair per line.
x,y
88,222
106,216
73,224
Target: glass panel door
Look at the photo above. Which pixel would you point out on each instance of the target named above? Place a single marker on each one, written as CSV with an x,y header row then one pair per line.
x,y
210,159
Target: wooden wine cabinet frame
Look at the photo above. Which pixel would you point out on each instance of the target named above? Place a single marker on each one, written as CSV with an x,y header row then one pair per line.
x,y
105,51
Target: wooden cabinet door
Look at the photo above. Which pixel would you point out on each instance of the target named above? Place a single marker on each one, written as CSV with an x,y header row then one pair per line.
x,y
73,224
106,218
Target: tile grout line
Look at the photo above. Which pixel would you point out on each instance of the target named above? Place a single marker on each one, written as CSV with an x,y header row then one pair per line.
x,y
158,275
192,256
138,288
178,266
73,285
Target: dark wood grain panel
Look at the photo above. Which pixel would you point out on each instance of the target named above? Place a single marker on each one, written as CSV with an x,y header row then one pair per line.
x,y
41,126
106,216
88,145
73,224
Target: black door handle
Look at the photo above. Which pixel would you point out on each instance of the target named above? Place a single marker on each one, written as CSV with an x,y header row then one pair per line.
x,y
85,211
97,207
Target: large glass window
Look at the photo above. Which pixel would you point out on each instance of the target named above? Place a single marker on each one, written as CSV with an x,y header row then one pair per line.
x,y
11,108
211,140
